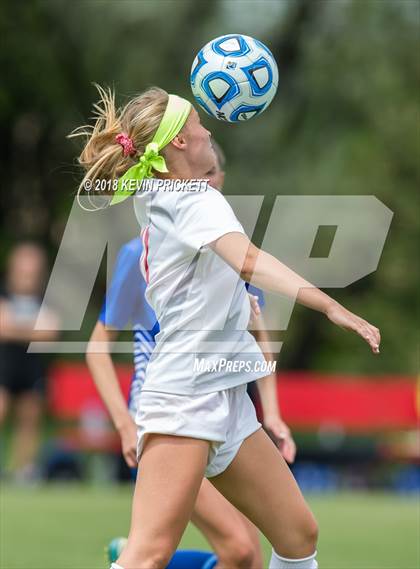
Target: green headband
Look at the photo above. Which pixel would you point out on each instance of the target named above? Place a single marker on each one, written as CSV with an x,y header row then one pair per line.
x,y
174,118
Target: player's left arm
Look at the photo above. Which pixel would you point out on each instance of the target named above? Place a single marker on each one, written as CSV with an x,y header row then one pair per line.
x,y
270,274
267,389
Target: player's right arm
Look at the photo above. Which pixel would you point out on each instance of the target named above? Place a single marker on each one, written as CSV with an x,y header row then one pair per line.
x,y
102,368
117,310
268,273
12,330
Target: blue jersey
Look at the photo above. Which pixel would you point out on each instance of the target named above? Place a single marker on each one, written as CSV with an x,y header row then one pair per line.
x,y
125,303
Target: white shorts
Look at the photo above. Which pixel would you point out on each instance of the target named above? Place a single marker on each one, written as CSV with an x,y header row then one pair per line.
x,y
225,418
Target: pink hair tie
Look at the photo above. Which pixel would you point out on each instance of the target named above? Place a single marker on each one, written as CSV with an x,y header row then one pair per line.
x,y
127,143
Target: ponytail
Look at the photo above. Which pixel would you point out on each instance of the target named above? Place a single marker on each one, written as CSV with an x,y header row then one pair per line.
x,y
104,156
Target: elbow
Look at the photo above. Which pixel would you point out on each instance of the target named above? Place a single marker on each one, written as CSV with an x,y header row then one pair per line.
x,y
52,335
90,355
98,345
248,267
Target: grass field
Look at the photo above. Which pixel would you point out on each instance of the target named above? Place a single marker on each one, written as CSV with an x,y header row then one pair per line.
x,y
66,527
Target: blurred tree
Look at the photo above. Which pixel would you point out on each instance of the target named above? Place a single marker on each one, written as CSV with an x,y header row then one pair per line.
x,y
343,122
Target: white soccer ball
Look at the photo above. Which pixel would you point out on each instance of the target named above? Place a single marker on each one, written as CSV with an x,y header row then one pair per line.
x,y
234,78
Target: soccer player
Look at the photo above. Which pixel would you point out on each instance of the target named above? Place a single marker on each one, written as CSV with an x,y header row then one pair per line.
x,y
234,538
196,258
266,387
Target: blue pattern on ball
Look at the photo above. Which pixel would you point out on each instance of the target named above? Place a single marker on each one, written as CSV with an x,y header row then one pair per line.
x,y
243,48
234,78
200,63
256,109
249,70
230,93
260,44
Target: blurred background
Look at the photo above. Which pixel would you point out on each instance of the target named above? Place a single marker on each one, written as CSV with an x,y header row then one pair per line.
x,y
344,122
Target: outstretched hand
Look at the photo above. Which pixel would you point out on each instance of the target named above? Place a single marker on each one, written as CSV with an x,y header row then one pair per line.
x,y
342,317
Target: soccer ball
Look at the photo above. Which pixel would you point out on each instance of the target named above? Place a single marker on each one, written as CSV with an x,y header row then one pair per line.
x,y
234,78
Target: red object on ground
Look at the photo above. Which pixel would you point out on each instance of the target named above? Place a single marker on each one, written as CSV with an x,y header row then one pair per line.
x,y
307,400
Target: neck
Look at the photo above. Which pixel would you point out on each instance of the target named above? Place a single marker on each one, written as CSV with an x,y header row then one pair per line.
x,y
180,169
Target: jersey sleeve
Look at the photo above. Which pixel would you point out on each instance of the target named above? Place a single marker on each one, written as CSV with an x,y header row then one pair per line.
x,y
203,217
256,292
127,285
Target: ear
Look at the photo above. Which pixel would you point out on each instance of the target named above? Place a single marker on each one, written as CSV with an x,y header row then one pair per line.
x,y
179,141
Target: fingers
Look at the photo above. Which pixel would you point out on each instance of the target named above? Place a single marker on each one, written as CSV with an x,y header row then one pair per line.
x,y
292,446
371,335
374,334
130,457
255,307
288,450
129,444
286,446
131,461
346,320
282,437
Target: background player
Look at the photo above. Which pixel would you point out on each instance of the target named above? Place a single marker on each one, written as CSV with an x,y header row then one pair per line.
x,y
22,375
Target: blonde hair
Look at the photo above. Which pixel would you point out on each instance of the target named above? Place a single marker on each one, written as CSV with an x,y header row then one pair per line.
x,y
103,157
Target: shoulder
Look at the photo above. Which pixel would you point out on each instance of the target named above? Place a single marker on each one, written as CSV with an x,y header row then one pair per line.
x,y
128,257
132,247
131,250
201,199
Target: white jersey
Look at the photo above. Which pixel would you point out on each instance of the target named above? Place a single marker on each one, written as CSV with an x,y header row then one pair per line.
x,y
200,302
